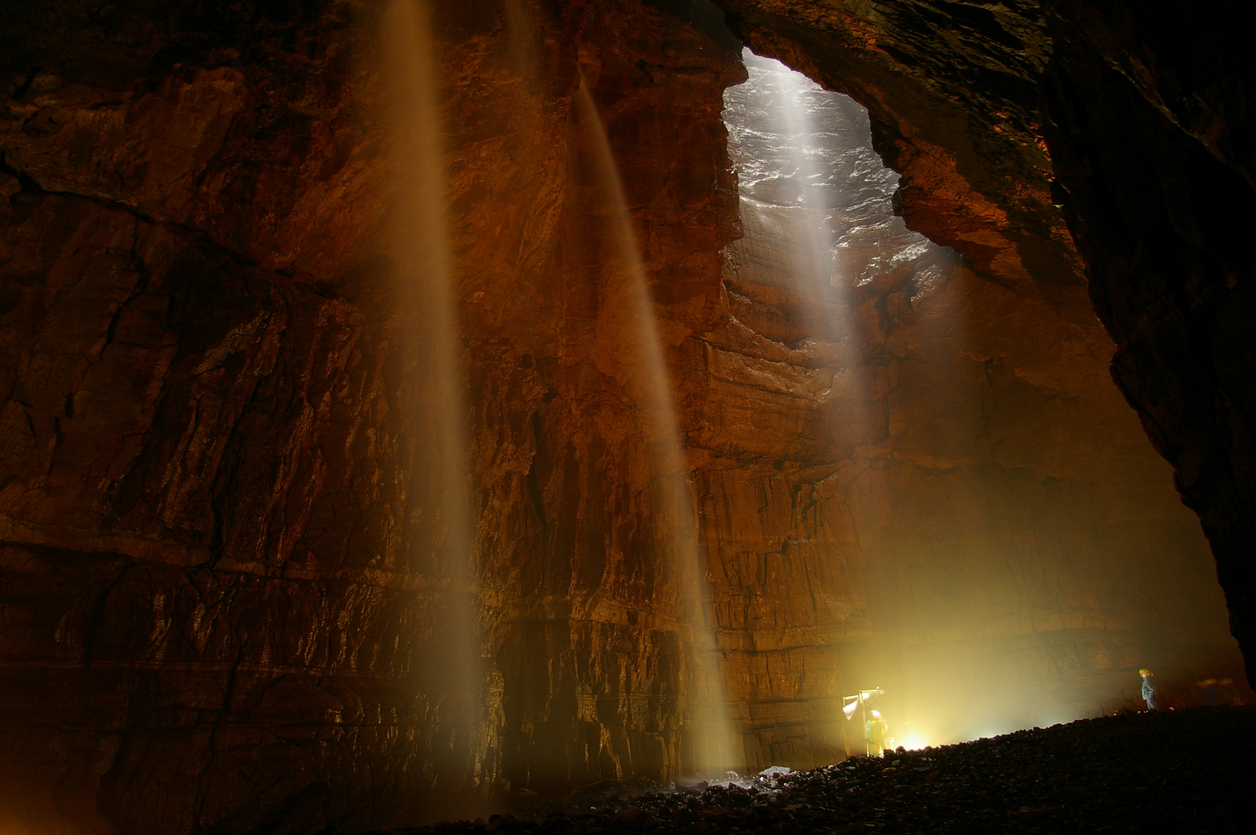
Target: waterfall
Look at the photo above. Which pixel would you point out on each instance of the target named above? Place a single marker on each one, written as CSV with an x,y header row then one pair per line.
x,y
649,386
440,520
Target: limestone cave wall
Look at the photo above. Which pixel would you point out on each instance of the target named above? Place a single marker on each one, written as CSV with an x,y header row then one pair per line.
x,y
1162,222
228,601
232,587
1125,121
961,452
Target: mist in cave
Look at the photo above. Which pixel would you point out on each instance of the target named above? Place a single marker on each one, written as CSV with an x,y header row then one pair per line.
x,y
448,673
635,353
999,593
418,410
814,201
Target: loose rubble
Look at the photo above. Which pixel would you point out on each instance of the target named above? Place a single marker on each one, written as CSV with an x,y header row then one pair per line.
x,y
1180,771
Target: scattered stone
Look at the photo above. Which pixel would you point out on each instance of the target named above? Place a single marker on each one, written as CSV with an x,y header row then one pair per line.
x,y
1185,771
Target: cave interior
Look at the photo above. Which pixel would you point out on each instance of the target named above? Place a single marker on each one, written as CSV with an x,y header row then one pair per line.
x,y
410,408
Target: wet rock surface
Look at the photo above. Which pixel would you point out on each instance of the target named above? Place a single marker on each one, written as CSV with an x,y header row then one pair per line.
x,y
1032,135
952,93
1184,771
225,602
925,468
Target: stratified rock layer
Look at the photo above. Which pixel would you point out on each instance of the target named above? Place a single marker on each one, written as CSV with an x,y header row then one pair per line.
x,y
208,621
997,535
230,599
234,594
1142,109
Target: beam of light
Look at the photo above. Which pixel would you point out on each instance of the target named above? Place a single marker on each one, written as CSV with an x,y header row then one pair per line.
x,y
800,175
439,519
812,196
806,186
631,323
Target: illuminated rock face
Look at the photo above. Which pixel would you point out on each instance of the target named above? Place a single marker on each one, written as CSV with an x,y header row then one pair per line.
x,y
965,100
961,458
219,610
952,90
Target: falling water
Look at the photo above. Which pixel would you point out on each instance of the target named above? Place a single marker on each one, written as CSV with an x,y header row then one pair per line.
x,y
440,519
966,645
636,331
519,26
815,197
799,166
816,208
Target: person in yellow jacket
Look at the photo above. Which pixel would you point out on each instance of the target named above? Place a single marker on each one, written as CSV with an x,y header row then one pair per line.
x,y
874,729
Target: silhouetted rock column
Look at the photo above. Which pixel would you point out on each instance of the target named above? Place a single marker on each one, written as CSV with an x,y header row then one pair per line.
x,y
1151,131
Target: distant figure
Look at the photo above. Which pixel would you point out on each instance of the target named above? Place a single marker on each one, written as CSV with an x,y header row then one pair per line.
x,y
1210,694
874,728
1149,689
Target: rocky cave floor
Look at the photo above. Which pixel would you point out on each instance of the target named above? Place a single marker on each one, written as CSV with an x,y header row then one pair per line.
x,y
1190,770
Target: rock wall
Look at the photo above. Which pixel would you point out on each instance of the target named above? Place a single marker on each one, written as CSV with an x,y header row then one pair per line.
x,y
205,622
1130,117
951,88
232,593
988,535
1162,223
235,591
585,552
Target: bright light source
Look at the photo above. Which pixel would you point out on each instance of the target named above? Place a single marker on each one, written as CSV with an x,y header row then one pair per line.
x,y
914,742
